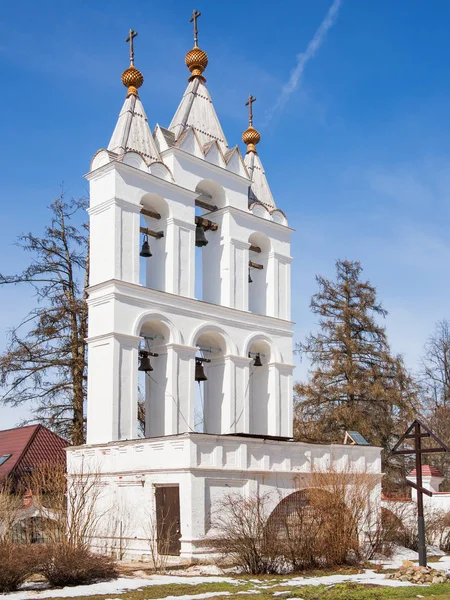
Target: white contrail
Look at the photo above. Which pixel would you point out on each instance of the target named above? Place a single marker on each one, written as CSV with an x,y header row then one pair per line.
x,y
305,57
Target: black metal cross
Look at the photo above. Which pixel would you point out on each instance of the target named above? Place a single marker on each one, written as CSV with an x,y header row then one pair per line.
x,y
131,35
418,431
195,16
249,103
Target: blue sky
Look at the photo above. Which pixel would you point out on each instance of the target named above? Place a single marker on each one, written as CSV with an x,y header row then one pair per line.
x,y
358,156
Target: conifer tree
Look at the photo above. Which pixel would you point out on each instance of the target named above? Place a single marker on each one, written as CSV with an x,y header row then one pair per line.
x,y
355,383
44,363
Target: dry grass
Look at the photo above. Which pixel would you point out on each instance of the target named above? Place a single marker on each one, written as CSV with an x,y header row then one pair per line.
x,y
348,591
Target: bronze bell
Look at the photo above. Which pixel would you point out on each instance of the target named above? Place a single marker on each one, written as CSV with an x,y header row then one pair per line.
x,y
257,362
144,361
200,237
145,250
199,371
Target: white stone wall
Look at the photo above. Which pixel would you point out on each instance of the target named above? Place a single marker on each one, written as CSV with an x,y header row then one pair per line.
x,y
205,467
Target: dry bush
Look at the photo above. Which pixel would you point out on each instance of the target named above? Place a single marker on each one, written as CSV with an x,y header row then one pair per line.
x,y
436,528
328,523
63,564
241,536
69,505
444,538
324,525
10,506
158,537
17,562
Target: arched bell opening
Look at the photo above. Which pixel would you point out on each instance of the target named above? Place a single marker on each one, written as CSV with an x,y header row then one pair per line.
x,y
210,380
208,249
258,273
153,251
152,378
259,396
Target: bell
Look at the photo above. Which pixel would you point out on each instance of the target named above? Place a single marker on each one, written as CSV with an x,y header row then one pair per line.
x,y
200,237
257,362
199,372
250,280
145,250
144,363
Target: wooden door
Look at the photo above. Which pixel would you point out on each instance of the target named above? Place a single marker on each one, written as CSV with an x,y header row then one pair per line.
x,y
168,519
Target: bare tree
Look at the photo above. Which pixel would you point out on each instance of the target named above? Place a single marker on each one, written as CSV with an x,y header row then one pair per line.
x,y
435,391
45,361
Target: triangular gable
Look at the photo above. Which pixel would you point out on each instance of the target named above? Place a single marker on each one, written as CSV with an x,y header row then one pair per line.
x,y
213,154
189,142
235,162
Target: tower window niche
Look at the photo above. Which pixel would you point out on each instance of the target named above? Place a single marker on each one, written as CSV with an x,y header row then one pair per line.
x,y
210,378
257,273
153,228
259,395
208,256
152,378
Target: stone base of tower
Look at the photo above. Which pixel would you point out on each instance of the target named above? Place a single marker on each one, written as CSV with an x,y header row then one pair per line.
x,y
180,480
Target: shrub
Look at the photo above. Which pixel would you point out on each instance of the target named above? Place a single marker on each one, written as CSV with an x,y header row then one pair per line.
x,y
64,564
321,526
16,563
241,533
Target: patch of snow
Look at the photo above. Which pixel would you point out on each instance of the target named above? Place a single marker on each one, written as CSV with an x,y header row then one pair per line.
x,y
197,596
368,577
434,551
116,586
203,570
400,553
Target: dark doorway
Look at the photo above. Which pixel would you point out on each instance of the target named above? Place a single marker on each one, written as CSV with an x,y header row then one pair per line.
x,y
168,519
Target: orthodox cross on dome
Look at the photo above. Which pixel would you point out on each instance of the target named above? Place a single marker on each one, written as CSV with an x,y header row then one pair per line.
x,y
251,137
249,103
132,78
195,16
131,35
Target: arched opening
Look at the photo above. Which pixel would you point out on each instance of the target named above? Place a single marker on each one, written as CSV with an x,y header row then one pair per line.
x,y
208,257
257,273
209,396
259,396
152,272
313,527
152,378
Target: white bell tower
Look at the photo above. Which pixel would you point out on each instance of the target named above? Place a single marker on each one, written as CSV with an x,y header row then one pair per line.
x,y
181,187
189,308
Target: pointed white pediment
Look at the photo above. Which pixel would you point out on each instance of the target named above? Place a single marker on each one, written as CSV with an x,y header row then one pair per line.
x,y
214,155
235,162
259,190
132,132
196,110
189,142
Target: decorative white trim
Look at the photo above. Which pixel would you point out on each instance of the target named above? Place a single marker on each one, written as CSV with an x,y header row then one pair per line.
x,y
280,257
115,335
197,160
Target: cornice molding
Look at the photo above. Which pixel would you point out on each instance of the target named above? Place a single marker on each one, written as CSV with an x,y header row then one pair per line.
x,y
201,161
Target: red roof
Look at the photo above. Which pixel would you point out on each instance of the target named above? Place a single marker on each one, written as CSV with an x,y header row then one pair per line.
x,y
427,471
29,446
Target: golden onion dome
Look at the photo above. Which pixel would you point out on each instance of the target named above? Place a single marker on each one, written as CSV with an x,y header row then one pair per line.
x,y
251,137
196,61
132,79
